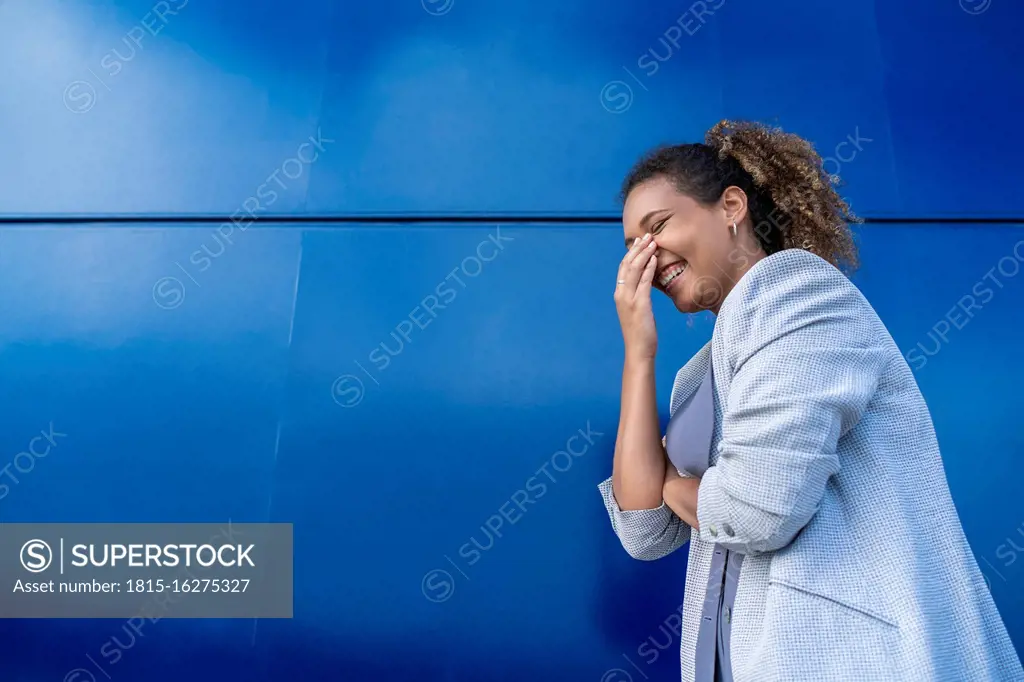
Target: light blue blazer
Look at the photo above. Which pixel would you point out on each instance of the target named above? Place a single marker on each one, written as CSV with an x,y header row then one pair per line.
x,y
825,473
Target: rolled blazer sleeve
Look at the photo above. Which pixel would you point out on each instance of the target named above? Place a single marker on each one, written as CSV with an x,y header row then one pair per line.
x,y
645,534
807,352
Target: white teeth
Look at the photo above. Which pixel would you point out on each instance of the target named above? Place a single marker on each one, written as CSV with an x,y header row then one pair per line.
x,y
670,275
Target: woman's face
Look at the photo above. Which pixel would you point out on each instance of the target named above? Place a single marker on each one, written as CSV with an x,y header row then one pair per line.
x,y
699,259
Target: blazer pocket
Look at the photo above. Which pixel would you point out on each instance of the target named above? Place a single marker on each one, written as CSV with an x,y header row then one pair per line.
x,y
815,637
853,608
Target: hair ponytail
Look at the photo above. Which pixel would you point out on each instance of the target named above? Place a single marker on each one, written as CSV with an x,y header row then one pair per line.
x,y
787,169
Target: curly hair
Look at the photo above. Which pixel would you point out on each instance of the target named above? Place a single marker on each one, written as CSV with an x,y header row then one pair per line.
x,y
792,200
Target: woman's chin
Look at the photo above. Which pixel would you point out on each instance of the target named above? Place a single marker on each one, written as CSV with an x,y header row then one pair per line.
x,y
684,304
681,299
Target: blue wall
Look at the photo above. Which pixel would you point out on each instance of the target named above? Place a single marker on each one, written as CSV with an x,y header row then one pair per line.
x,y
259,372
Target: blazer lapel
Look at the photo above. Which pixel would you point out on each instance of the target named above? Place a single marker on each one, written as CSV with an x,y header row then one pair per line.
x,y
689,377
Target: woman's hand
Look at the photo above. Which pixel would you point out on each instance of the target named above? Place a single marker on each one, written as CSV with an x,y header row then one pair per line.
x,y
680,495
633,299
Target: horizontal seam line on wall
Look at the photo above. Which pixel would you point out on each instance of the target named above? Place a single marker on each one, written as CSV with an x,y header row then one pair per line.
x,y
441,219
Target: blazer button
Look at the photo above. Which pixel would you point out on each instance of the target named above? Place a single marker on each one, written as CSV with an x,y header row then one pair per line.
x,y
713,531
727,528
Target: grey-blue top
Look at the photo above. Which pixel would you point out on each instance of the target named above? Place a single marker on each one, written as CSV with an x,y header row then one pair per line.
x,y
688,443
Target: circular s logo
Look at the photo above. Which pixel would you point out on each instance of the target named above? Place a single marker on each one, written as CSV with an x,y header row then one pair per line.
x,y
348,390
437,7
168,293
707,293
975,6
616,97
438,586
79,675
79,97
36,556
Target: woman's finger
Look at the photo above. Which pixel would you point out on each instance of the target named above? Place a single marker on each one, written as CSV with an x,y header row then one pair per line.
x,y
638,245
638,257
637,250
634,249
628,276
647,276
624,263
636,268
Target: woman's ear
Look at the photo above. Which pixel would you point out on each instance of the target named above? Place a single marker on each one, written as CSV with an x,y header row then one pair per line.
x,y
734,202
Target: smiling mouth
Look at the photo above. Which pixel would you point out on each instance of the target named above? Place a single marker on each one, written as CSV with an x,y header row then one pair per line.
x,y
670,273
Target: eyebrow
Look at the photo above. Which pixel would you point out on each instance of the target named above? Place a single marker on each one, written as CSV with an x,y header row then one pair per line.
x,y
644,222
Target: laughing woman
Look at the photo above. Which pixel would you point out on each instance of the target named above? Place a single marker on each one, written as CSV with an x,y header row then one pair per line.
x,y
800,462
